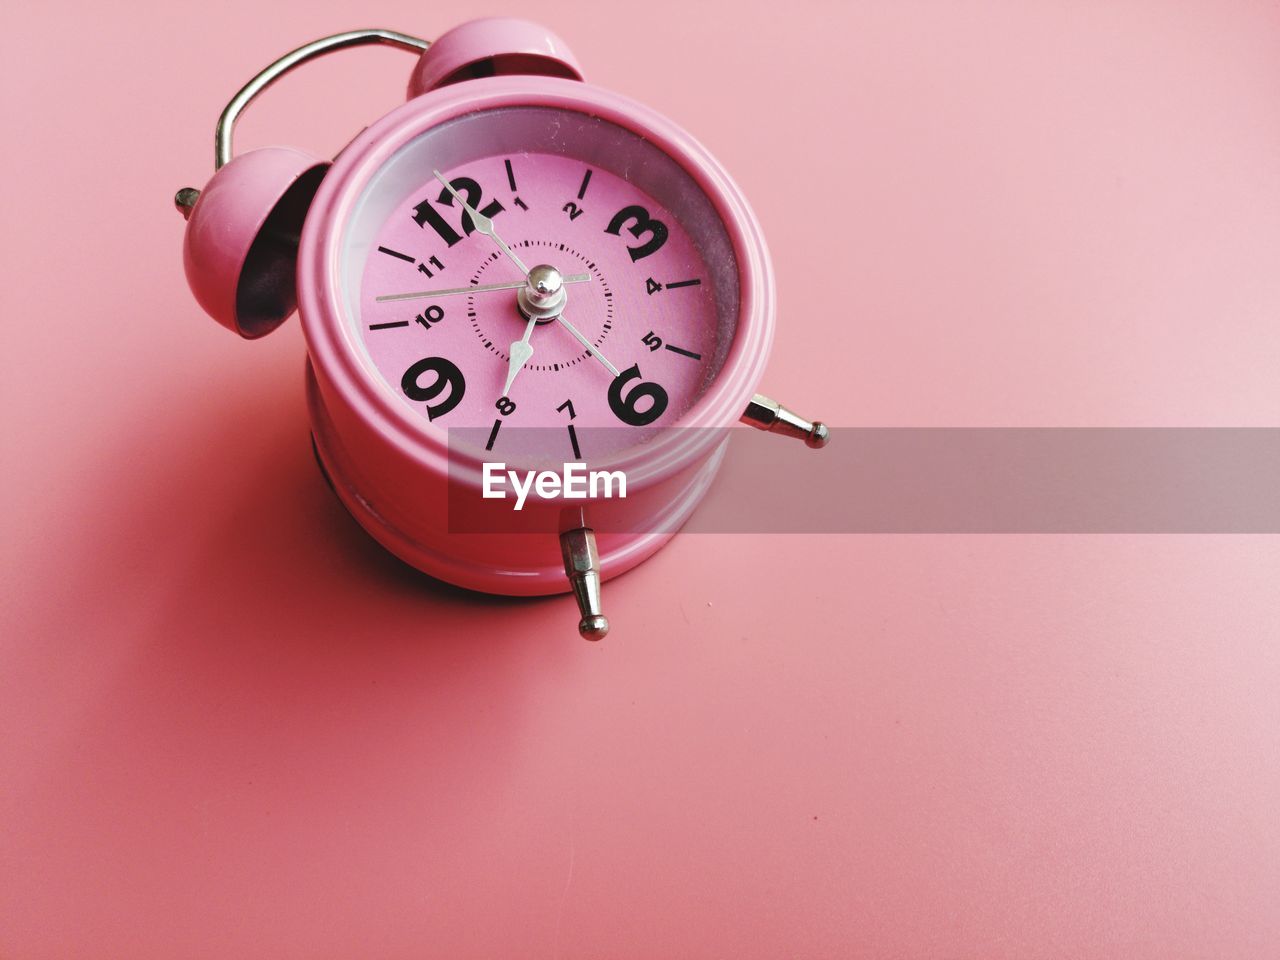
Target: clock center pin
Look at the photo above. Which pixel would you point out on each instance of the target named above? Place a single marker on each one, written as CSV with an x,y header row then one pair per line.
x,y
543,296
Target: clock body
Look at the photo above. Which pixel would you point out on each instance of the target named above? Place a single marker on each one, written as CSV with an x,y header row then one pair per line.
x,y
671,282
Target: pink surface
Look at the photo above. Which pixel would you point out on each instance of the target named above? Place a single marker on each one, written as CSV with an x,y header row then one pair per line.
x,y
233,726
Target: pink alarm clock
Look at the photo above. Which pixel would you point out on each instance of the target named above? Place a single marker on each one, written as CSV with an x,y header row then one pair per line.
x,y
513,268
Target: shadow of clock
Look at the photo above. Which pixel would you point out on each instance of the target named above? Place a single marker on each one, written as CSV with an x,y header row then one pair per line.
x,y
248,647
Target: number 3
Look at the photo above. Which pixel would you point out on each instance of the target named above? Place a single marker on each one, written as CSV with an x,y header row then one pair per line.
x,y
644,224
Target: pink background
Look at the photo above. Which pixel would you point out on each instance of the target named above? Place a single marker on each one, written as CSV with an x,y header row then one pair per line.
x,y
233,727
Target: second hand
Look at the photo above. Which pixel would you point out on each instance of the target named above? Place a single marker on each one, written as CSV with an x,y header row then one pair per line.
x,y
474,288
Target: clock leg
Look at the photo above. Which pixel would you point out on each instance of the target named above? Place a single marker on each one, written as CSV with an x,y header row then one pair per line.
x,y
582,567
765,414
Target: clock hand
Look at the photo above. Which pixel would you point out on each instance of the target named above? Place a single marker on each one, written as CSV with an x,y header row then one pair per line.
x,y
483,223
521,350
474,288
588,344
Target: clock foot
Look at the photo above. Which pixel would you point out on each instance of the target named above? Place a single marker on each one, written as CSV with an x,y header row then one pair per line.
x,y
582,567
765,414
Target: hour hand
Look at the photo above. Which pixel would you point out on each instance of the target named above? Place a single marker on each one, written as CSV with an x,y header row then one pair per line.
x,y
521,350
482,223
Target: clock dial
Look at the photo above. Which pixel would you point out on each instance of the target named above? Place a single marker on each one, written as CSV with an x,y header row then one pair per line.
x,y
642,295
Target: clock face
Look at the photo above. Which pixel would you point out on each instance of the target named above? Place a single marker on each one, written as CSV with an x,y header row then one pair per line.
x,y
650,284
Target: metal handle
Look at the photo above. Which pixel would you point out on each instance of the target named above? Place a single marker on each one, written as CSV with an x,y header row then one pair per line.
x,y
222,150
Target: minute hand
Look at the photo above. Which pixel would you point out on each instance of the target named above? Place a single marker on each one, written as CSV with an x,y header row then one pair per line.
x,y
483,223
588,344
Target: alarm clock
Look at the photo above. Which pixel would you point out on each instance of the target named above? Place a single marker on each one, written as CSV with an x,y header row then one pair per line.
x,y
512,268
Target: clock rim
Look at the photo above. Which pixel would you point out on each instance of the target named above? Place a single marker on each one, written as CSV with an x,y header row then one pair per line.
x,y
327,336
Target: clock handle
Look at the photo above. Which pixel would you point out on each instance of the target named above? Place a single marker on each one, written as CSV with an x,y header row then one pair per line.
x,y
270,74
223,149
765,414
582,567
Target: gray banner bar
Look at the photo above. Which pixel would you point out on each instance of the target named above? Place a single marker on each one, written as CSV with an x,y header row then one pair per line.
x,y
988,480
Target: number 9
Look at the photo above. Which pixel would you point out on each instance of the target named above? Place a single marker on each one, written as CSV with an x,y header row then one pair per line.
x,y
448,377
